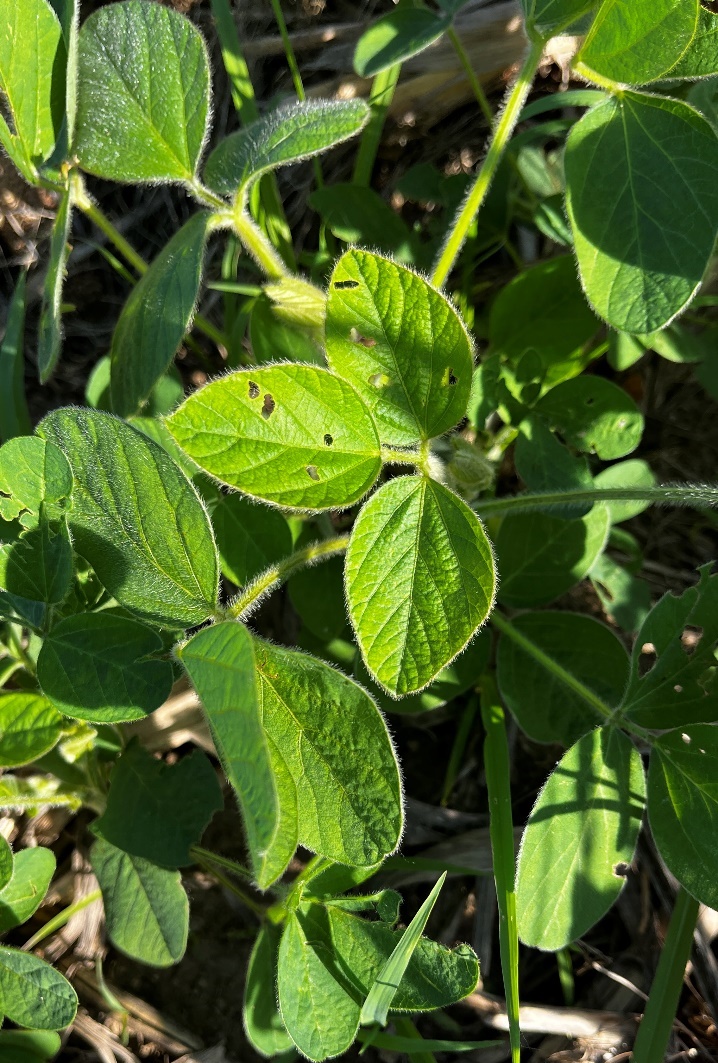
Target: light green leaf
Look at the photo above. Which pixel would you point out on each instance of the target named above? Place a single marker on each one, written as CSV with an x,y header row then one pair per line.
x,y
294,435
144,93
544,464
643,205
156,316
401,344
34,994
539,557
279,138
33,792
626,599
633,473
358,215
32,472
6,862
32,55
683,807
262,1021
535,678
156,810
594,415
136,518
29,727
14,415
146,907
700,60
583,828
677,344
412,537
681,686
99,667
624,350
37,564
396,37
28,1046
250,538
49,335
634,43
26,890
545,18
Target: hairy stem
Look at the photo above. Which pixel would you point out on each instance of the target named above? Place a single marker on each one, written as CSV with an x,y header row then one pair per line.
x,y
499,141
696,495
258,246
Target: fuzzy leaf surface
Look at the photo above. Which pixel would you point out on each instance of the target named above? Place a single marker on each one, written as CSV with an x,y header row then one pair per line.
x,y
396,37
634,43
700,60
294,435
420,581
34,994
594,415
401,343
49,336
26,890
29,727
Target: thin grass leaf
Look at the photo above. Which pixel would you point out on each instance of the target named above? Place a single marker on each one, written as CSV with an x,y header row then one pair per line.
x,y
410,1046
14,416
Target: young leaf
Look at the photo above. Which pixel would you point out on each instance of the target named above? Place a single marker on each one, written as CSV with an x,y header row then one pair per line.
x,y
358,215
167,393
24,893
593,415
621,212
250,538
633,473
583,827
294,435
146,907
420,581
262,1021
536,675
700,60
539,557
683,807
544,464
136,518
32,472
14,415
159,811
281,137
396,37
681,686
156,316
636,43
34,994
99,667
49,335
401,344
144,92
29,727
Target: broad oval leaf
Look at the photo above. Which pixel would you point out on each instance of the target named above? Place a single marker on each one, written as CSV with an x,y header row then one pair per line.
x,y
29,727
539,557
146,907
33,993
583,827
49,337
262,1021
634,43
26,890
396,37
294,435
99,667
633,473
144,93
683,807
250,538
401,343
412,537
156,316
643,205
136,518
541,672
279,138
594,415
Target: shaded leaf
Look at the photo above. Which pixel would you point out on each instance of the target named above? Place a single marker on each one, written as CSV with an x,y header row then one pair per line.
x,y
700,60
358,215
250,538
14,415
396,37
633,473
546,465
594,415
262,1021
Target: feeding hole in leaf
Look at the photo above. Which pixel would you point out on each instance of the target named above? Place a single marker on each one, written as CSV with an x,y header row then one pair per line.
x,y
313,472
253,390
328,440
590,400
365,341
449,379
686,738
268,407
621,869
346,284
379,380
690,639
678,688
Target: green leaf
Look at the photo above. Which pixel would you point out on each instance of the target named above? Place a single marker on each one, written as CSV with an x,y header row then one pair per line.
x,y
99,667
146,907
6,862
683,807
262,1021
358,215
633,473
638,168
624,350
681,685
274,339
583,827
294,435
539,557
545,18
14,415
536,679
49,336
594,415
412,537
37,564
638,42
544,464
144,94
700,60
32,472
401,344
136,518
33,792
167,393
396,37
157,315
158,811
317,594
626,599
26,890
544,310
28,1046
32,58
279,138
34,994
29,727
250,538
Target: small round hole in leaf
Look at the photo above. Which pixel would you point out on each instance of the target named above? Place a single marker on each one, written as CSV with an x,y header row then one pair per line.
x,y
328,440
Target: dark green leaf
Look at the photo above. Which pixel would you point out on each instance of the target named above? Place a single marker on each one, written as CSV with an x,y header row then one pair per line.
x,y
37,564
625,598
262,1021
34,994
6,862
634,43
544,18
634,473
396,37
250,538
700,60
28,1046
317,594
273,339
358,215
545,465
594,415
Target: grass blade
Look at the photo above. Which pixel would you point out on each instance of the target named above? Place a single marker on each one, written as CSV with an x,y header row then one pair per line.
x,y
14,416
414,1046
380,97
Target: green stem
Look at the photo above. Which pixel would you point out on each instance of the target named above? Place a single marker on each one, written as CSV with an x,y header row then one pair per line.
x,y
61,919
253,905
696,495
476,86
499,142
380,97
207,856
657,1022
258,246
501,828
247,599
